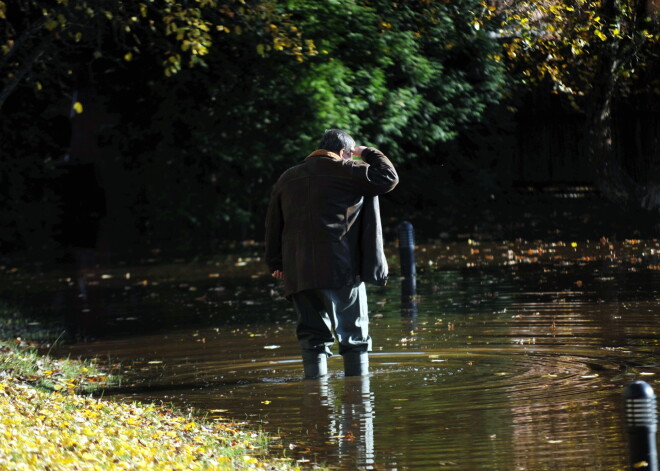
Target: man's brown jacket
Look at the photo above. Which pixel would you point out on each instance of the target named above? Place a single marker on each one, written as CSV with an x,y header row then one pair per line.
x,y
323,225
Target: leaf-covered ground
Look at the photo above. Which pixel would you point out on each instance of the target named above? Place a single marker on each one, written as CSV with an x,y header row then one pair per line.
x,y
45,425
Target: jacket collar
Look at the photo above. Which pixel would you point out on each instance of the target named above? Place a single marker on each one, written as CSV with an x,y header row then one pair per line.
x,y
324,153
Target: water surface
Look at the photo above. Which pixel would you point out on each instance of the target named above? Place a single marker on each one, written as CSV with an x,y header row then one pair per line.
x,y
514,357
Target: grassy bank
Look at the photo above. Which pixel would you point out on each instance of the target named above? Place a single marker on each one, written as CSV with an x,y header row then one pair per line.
x,y
47,422
26,365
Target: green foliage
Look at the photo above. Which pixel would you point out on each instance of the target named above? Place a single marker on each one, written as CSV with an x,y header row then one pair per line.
x,y
405,84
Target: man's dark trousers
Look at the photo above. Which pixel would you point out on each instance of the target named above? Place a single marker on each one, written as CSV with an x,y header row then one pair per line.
x,y
324,313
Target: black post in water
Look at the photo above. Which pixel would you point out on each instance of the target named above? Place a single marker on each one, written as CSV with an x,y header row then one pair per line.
x,y
642,421
407,258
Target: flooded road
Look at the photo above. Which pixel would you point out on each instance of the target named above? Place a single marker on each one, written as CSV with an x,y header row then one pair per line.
x,y
514,358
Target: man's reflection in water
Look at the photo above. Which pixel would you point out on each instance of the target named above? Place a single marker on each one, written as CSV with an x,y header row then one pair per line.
x,y
317,410
346,420
357,421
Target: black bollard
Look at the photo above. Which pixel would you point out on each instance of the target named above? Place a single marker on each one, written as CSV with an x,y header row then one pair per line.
x,y
642,421
407,259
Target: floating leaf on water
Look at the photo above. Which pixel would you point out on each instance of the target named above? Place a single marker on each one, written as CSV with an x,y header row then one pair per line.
x,y
155,362
217,411
271,347
266,402
646,373
595,375
555,441
640,464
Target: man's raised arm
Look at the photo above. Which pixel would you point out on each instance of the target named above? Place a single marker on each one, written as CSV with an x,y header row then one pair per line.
x,y
380,176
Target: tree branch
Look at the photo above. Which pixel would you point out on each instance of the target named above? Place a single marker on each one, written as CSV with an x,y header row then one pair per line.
x,y
21,39
24,69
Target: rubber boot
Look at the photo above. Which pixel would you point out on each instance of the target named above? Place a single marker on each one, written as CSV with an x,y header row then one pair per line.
x,y
356,363
315,364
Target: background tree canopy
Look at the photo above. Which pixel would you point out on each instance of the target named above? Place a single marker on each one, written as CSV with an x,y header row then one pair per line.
x,y
167,122
192,108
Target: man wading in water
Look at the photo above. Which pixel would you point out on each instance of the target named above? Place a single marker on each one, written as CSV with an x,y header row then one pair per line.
x,y
324,239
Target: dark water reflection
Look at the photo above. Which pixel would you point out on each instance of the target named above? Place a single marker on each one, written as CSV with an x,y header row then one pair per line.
x,y
505,366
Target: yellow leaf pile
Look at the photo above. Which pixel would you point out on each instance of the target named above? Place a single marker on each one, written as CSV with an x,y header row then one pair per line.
x,y
59,431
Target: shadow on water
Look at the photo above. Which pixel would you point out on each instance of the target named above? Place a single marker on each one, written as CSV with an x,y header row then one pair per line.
x,y
515,356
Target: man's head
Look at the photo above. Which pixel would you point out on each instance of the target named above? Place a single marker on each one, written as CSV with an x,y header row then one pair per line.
x,y
337,141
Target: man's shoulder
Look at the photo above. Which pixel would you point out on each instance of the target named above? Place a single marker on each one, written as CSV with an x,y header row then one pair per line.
x,y
338,166
291,171
320,167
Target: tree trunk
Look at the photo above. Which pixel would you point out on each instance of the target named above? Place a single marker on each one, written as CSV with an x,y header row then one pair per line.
x,y
611,177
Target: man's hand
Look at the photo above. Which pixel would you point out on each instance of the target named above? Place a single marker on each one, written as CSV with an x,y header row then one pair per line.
x,y
357,150
278,274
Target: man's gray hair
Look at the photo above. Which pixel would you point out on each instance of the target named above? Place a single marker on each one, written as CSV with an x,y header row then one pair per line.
x,y
335,140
